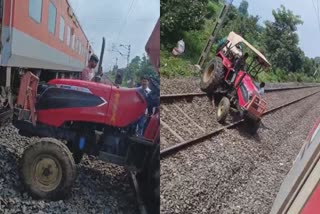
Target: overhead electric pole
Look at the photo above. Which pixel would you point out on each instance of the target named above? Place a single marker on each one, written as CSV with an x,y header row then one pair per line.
x,y
128,47
128,59
216,28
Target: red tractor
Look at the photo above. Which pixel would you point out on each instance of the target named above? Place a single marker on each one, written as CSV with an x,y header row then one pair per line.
x,y
233,89
74,117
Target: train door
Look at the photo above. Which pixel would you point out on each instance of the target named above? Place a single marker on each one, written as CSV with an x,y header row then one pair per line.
x,y
2,70
1,15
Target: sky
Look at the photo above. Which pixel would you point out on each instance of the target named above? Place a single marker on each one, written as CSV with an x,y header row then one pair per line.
x,y
309,32
120,22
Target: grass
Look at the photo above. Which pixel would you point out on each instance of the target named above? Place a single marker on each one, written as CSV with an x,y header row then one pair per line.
x,y
174,66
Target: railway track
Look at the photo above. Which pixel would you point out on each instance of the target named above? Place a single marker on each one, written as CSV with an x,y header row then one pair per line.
x,y
188,96
165,152
141,203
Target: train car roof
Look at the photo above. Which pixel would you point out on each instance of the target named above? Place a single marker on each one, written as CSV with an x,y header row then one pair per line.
x,y
78,21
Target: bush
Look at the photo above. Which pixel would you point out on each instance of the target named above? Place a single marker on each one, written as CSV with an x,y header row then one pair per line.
x,y
196,40
213,9
280,76
174,66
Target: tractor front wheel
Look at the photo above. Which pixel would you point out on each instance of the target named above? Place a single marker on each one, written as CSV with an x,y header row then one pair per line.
x,y
223,109
47,169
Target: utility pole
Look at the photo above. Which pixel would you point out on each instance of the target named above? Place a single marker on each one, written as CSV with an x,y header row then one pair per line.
x,y
316,70
128,47
216,28
128,58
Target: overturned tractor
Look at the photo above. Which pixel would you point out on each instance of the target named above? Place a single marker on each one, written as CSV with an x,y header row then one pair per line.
x,y
235,88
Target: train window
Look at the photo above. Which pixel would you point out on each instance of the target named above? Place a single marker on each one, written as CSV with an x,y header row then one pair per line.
x,y
35,9
61,33
68,35
76,44
73,41
82,50
77,47
52,18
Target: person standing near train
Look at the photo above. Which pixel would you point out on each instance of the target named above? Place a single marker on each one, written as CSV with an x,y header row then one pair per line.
x,y
88,73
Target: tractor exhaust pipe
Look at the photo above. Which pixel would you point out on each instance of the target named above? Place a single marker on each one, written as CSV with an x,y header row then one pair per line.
x,y
99,74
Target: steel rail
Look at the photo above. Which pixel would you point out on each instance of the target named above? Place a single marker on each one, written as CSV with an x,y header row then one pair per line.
x,y
173,149
142,206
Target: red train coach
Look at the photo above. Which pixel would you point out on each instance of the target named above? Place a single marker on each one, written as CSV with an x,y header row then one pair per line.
x,y
153,46
42,35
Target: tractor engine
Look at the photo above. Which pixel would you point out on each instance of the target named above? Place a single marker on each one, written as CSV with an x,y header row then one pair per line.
x,y
115,141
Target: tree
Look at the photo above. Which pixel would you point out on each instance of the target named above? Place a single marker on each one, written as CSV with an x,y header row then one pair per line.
x,y
243,8
179,16
245,25
281,40
308,66
138,67
211,10
317,60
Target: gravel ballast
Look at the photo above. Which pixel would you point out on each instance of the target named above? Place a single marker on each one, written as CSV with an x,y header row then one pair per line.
x,y
202,112
235,172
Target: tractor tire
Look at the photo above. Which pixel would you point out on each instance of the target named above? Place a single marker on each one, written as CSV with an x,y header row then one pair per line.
x,y
47,169
252,126
223,109
212,75
149,181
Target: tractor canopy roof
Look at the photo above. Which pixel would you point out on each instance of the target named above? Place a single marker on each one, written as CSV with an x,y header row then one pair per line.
x,y
234,39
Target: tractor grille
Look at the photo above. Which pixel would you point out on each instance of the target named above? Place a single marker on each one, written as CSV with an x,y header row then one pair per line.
x,y
256,107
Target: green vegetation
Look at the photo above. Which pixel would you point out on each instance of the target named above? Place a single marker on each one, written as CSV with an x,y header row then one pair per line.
x,y
138,67
278,40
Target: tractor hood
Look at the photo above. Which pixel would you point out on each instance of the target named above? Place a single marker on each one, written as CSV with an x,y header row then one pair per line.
x,y
248,82
78,100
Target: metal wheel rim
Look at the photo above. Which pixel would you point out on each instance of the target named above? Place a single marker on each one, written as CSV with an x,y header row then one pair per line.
x,y
220,108
208,73
47,172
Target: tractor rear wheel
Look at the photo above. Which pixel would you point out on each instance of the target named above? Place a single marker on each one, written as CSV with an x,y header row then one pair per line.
x,y
47,169
223,109
212,75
